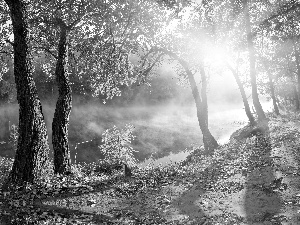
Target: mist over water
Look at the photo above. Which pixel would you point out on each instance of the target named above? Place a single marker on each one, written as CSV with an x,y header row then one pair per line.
x,y
223,121
164,131
163,114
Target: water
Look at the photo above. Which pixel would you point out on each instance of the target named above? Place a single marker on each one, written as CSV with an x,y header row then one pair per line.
x,y
222,123
164,131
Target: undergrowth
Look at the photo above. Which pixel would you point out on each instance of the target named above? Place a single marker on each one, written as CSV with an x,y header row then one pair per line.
x,y
219,175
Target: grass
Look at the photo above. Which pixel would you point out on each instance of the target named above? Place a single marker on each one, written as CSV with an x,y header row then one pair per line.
x,y
253,180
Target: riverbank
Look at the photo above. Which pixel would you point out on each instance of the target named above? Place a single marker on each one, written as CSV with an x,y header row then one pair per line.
x,y
253,180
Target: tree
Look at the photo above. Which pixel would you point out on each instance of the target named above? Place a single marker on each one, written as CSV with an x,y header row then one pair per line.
x,y
297,61
60,20
210,24
243,94
285,36
258,108
241,13
179,47
272,88
32,150
99,37
209,141
63,20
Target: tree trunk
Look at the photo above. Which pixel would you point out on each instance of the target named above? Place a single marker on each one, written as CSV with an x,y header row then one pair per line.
x,y
258,108
276,109
204,95
60,124
243,94
272,89
296,52
32,150
210,143
297,104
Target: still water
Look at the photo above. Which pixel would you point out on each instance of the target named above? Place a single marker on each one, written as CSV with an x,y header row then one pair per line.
x,y
167,132
222,124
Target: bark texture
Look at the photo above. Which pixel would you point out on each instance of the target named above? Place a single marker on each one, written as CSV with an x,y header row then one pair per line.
x,y
272,90
243,94
33,149
60,124
296,52
273,96
297,104
258,108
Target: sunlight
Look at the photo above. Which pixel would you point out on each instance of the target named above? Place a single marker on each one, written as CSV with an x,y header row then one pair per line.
x,y
215,54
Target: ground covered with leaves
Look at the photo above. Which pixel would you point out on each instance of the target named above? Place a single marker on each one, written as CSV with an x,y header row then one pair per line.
x,y
251,180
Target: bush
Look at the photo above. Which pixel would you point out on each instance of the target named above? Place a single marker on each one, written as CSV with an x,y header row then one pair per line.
x,y
5,167
116,147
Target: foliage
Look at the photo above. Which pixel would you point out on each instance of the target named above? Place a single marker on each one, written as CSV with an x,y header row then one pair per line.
x,y
116,147
13,136
103,37
5,45
5,167
163,194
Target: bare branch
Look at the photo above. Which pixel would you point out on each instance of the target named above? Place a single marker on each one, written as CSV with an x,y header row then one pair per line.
x,y
8,41
46,50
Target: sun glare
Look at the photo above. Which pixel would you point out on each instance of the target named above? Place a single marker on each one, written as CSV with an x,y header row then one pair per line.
x,y
217,56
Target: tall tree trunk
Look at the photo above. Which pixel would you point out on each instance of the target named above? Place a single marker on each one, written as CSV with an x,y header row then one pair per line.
x,y
243,94
60,124
296,52
210,143
272,89
297,103
273,96
203,94
258,108
32,149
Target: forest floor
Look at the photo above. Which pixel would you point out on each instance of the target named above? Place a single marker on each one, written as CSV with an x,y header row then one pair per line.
x,y
254,180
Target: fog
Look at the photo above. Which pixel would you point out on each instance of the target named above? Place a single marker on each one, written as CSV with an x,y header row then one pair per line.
x,y
166,127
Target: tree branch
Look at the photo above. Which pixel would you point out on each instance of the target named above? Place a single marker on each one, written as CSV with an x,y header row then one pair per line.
x,y
46,50
285,9
148,70
8,41
174,56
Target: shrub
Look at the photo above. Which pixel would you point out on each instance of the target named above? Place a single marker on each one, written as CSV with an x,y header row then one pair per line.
x,y
5,167
116,147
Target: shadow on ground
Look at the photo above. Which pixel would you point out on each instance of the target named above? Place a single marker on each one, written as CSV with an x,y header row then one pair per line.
x,y
261,202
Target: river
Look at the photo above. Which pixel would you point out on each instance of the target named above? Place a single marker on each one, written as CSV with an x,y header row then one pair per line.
x,y
223,121
167,132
